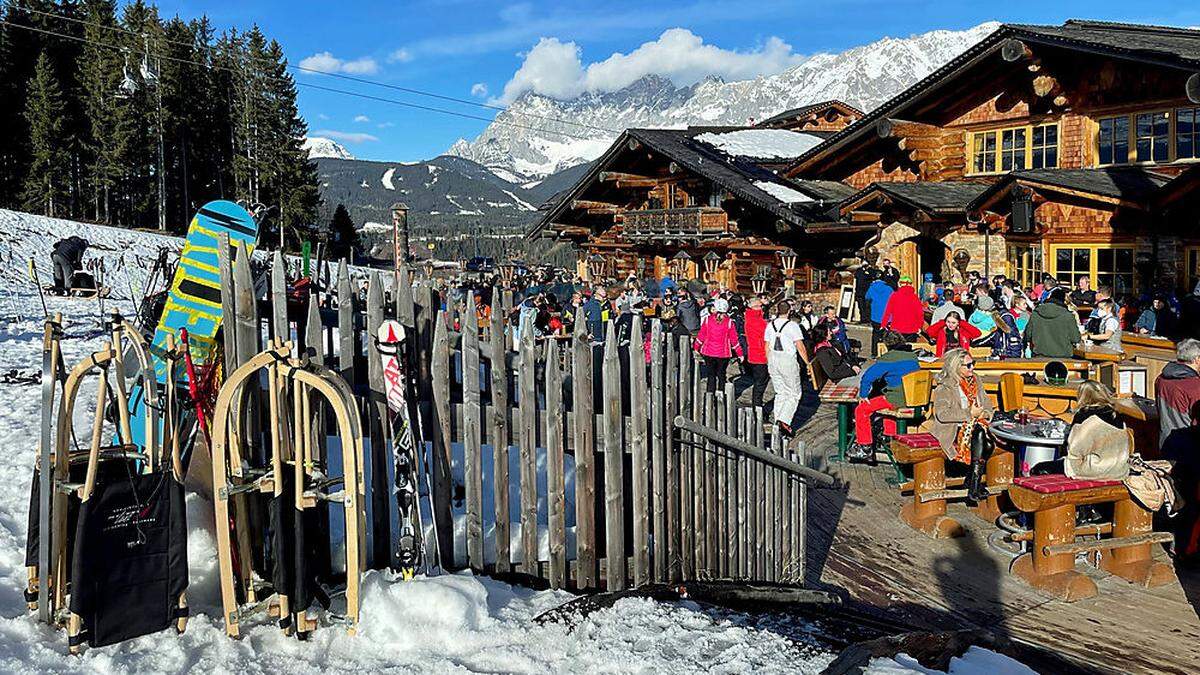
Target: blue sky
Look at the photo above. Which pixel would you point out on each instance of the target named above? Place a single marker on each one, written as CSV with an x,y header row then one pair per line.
x,y
472,50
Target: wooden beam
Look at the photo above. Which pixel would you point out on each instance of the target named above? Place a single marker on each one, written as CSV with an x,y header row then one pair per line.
x,y
615,176
605,211
1014,50
593,204
1192,87
893,128
644,183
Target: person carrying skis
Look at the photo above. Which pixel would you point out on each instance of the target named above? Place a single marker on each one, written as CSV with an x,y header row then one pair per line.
x,y
66,259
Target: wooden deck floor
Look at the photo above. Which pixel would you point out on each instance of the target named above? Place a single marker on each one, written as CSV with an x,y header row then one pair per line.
x,y
857,542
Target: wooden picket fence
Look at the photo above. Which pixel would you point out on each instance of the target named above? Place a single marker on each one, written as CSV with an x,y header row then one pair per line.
x,y
676,507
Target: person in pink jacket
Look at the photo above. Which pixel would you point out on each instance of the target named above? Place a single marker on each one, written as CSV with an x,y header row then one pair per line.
x,y
717,342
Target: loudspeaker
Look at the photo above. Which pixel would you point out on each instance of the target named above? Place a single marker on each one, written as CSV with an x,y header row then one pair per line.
x,y
1022,212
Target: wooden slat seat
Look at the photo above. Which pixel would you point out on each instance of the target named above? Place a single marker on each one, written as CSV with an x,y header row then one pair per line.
x,y
1050,564
926,511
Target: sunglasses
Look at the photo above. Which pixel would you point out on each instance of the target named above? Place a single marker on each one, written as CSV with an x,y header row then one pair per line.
x,y
969,366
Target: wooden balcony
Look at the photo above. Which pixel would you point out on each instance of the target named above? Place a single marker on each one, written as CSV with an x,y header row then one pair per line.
x,y
697,222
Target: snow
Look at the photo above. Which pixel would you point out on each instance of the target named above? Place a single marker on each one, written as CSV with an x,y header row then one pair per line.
x,y
448,623
318,146
525,206
370,226
975,661
761,143
387,178
781,192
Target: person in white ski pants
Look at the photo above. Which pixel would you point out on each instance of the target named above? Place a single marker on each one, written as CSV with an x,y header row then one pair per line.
x,y
784,340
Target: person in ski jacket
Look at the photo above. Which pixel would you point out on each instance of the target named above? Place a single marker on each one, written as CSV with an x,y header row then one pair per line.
x,y
1053,330
864,276
952,333
717,342
877,297
756,349
784,341
67,258
834,363
1007,341
881,388
595,311
688,313
1177,391
837,328
1157,319
889,274
904,312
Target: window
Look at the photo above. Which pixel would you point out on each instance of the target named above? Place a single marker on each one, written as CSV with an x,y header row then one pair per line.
x,y
1114,140
1012,149
983,158
1153,133
1044,152
1187,133
1104,264
1025,263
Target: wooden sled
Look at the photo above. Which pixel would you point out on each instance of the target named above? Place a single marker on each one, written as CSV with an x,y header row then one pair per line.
x,y
292,382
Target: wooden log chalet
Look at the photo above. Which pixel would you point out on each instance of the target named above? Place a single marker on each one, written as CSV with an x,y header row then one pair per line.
x,y
665,200
1062,149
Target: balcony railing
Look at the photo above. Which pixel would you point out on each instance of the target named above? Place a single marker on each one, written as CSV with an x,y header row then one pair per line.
x,y
697,222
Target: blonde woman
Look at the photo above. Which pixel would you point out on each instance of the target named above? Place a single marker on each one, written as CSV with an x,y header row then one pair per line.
x,y
1097,446
960,415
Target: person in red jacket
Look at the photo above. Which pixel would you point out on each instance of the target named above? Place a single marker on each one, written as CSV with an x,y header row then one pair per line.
x,y
904,312
756,349
952,333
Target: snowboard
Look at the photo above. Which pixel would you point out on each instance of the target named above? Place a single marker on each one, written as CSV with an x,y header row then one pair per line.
x,y
194,297
410,548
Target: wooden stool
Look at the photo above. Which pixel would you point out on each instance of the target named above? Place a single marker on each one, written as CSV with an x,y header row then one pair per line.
x,y
998,478
927,510
1050,564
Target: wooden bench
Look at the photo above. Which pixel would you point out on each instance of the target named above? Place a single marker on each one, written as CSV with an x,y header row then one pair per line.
x,y
1050,564
926,512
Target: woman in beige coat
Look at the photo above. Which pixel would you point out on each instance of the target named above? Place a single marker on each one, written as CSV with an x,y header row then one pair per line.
x,y
960,414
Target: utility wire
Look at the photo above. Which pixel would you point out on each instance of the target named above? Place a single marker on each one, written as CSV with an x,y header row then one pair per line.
x,y
340,76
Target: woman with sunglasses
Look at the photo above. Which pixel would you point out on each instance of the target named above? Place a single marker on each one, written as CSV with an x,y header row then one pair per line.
x,y
961,412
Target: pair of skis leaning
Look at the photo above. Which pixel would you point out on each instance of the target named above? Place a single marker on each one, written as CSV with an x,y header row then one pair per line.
x,y
410,554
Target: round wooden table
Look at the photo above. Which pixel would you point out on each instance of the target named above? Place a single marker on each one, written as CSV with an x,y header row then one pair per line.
x,y
1040,439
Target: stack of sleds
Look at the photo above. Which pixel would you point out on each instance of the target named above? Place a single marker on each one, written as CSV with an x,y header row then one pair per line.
x,y
107,543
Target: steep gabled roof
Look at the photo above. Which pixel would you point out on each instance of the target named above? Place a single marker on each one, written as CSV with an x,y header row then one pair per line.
x,y
1128,184
744,177
944,197
1157,45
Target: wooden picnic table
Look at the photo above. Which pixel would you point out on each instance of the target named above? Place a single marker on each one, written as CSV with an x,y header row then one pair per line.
x,y
1059,400
844,394
1035,366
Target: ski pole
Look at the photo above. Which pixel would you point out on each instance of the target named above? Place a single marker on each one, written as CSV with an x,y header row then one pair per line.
x,y
193,387
38,283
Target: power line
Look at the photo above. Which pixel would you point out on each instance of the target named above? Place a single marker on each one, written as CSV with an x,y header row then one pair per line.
x,y
344,92
340,76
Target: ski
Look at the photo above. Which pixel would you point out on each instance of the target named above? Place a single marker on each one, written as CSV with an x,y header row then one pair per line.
x,y
410,549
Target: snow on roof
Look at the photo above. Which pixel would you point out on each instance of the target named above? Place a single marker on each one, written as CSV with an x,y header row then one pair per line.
x,y
761,143
783,193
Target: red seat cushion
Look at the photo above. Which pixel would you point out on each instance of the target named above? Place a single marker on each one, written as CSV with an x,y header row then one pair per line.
x,y
1060,483
918,440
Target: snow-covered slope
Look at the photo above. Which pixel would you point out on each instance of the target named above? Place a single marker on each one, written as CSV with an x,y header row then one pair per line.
x,y
318,146
863,77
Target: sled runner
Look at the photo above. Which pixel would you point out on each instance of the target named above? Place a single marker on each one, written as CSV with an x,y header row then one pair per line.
x,y
292,483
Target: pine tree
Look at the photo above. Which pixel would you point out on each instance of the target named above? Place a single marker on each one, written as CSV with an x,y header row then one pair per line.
x,y
289,176
46,183
101,71
343,241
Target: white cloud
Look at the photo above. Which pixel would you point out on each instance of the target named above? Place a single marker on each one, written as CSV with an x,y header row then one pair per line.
x,y
322,116
362,119
554,68
346,136
385,125
479,89
326,62
400,56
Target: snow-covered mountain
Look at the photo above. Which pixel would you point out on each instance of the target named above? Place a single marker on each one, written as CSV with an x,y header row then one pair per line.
x,y
578,130
318,146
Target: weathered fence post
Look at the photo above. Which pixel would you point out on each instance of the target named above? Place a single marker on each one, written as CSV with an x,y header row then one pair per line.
x,y
376,413
498,348
585,459
346,347
555,485
472,443
439,371
639,473
658,470
614,487
527,439
671,465
687,517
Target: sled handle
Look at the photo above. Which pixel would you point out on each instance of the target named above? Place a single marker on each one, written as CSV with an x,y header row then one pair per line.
x,y
89,484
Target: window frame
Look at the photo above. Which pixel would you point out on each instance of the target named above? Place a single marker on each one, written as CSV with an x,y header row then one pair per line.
x,y
997,152
1025,270
1191,273
1194,134
1093,262
1169,140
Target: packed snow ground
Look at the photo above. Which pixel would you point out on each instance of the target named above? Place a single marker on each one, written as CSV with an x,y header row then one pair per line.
x,y
449,623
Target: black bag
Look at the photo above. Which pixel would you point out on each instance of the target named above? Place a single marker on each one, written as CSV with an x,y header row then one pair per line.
x,y
130,554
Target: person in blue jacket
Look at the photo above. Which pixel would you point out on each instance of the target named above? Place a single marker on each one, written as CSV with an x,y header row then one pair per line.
x,y
877,296
881,387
